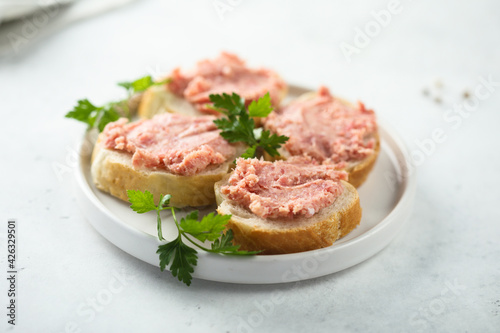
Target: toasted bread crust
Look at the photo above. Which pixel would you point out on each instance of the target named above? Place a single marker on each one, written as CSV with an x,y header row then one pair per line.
x,y
292,236
360,171
112,172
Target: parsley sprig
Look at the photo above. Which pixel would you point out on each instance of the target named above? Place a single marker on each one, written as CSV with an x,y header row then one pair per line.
x,y
94,116
140,84
180,257
239,126
99,116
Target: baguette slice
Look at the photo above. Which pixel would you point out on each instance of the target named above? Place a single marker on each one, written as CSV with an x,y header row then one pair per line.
x,y
158,99
358,170
112,171
280,236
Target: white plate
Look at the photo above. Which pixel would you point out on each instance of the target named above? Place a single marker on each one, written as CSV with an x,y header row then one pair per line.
x,y
386,198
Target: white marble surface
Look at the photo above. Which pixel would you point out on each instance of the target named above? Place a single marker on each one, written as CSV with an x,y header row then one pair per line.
x,y
441,273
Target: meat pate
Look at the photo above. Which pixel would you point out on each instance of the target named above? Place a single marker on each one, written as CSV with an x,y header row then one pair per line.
x,y
225,74
325,128
180,144
298,187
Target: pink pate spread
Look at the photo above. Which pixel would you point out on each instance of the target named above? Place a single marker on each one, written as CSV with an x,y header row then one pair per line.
x,y
284,189
182,145
325,128
225,74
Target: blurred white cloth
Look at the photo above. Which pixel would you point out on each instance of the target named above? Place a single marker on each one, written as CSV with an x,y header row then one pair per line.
x,y
13,10
22,23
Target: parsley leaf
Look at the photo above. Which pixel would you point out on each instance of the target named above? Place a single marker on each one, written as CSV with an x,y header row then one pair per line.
x,y
82,111
141,202
239,126
127,85
260,108
108,115
141,84
241,130
164,201
230,105
209,228
92,115
138,85
225,242
223,123
99,116
270,143
225,245
181,259
250,152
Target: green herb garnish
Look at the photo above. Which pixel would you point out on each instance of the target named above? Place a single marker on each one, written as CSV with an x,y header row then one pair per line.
x,y
180,257
239,125
141,84
94,116
99,116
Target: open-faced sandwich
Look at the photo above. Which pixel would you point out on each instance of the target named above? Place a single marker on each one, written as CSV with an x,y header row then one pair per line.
x,y
188,91
169,154
330,130
287,206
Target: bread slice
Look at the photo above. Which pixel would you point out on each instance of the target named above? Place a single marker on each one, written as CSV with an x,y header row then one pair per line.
x,y
158,99
132,105
358,170
112,171
279,236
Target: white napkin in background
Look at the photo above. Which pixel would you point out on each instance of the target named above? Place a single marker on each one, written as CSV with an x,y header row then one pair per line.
x,y
11,10
23,23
